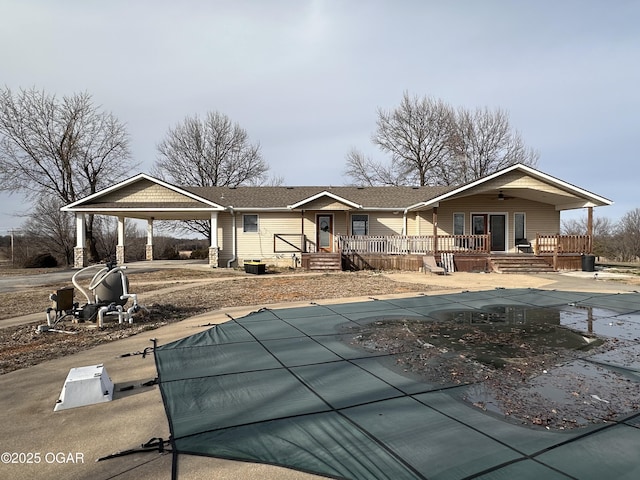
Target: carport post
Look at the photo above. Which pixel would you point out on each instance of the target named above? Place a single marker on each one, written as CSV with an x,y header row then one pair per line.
x,y
213,247
79,252
120,245
590,228
149,246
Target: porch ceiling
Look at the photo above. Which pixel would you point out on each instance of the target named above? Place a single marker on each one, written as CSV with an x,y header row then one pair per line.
x,y
561,200
155,213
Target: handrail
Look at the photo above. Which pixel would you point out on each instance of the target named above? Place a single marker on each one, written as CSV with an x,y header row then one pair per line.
x,y
413,244
457,244
563,244
301,247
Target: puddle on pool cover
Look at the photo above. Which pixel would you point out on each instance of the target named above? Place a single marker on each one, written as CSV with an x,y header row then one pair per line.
x,y
531,365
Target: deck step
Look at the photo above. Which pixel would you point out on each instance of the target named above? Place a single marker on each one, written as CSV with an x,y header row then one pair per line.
x,y
323,261
520,264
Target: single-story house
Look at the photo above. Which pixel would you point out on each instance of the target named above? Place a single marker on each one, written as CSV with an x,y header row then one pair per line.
x,y
513,213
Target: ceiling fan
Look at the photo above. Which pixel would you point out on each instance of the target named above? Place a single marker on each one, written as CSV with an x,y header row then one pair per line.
x,y
502,196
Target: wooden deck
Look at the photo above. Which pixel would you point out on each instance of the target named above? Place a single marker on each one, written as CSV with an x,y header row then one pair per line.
x,y
471,253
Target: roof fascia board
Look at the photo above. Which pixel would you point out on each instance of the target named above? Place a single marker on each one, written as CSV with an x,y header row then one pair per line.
x,y
142,209
572,206
323,194
258,209
134,179
528,170
418,206
287,209
567,186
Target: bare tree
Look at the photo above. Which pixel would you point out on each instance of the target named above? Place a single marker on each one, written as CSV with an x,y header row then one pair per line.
x,y
430,143
64,149
366,172
53,229
416,135
628,236
603,234
483,143
209,152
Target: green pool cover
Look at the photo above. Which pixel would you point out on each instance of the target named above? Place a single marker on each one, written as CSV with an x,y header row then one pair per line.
x,y
288,387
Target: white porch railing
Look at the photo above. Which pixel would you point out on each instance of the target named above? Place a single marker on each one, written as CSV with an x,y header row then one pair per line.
x,y
459,244
412,244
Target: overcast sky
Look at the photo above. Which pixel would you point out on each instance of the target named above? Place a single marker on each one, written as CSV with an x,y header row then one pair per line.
x,y
305,78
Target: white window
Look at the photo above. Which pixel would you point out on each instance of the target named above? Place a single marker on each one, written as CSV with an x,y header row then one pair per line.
x,y
519,229
458,223
359,224
250,223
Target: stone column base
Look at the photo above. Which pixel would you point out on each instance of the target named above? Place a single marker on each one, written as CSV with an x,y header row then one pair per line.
x,y
120,254
79,257
148,252
213,257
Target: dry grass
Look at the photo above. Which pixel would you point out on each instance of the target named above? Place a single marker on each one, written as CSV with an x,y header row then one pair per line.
x,y
184,293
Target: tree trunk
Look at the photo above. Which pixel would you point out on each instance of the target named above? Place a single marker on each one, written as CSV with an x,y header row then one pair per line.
x,y
92,255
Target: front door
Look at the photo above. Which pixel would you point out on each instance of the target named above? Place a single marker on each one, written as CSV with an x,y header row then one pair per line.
x,y
497,229
494,225
324,229
479,227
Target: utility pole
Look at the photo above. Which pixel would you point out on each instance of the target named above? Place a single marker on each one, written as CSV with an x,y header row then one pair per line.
x,y
12,233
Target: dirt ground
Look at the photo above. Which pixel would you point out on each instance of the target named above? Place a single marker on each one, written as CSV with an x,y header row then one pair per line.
x,y
170,296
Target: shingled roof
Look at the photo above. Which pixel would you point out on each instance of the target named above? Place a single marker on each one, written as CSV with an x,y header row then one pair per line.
x,y
284,197
131,195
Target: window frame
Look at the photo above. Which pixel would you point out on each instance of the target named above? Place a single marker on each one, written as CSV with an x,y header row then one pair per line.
x,y
245,216
458,214
516,237
353,216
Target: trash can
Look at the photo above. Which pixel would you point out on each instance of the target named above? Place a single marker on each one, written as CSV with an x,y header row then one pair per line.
x,y
255,266
588,263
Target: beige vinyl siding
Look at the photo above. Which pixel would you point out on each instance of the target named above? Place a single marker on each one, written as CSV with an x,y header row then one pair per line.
x,y
414,222
516,179
385,223
145,191
225,241
326,203
259,245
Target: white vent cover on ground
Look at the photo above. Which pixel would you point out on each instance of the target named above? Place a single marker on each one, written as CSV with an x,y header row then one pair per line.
x,y
85,386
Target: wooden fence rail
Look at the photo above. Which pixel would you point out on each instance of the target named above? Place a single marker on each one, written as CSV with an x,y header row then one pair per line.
x,y
563,244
